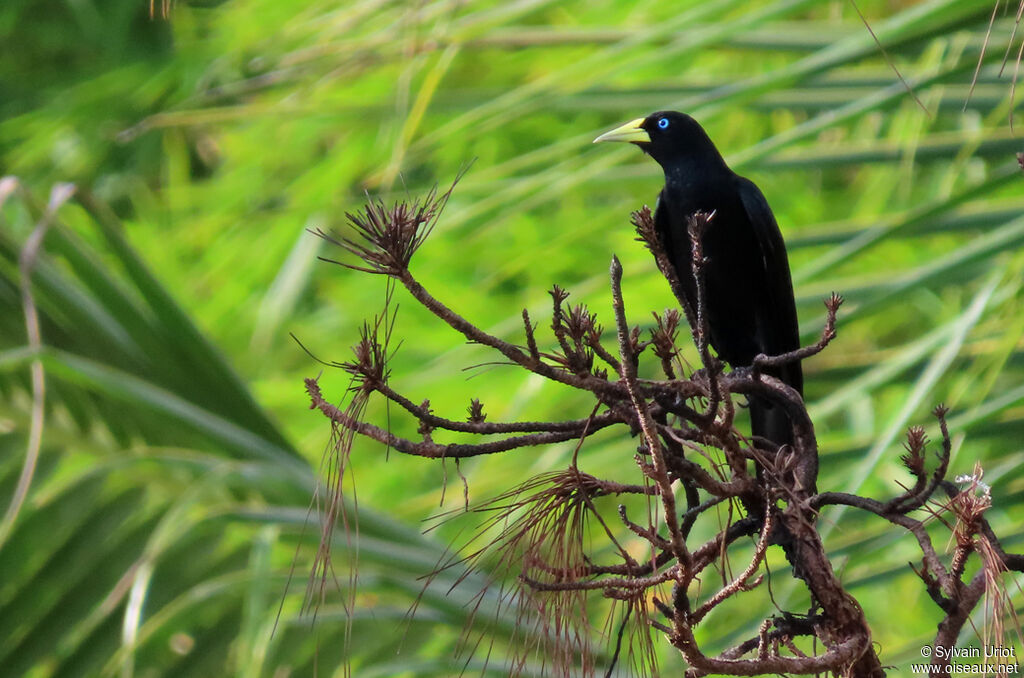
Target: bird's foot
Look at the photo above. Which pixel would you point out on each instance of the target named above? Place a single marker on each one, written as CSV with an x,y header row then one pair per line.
x,y
745,372
703,374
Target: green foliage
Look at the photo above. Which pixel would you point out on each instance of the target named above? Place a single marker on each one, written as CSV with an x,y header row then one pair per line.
x,y
168,503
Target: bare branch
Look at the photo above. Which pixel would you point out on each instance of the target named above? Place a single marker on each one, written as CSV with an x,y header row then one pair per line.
x,y
832,304
510,351
531,341
476,423
643,220
740,582
660,475
686,435
430,449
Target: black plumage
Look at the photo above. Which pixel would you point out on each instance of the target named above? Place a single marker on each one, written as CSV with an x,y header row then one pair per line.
x,y
748,288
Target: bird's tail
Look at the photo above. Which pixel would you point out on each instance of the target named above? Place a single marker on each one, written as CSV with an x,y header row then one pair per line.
x,y
770,421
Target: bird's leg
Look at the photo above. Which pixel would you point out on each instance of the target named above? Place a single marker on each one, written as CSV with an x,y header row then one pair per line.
x,y
748,371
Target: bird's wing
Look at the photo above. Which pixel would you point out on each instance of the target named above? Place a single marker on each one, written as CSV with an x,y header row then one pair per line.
x,y
776,307
675,242
661,225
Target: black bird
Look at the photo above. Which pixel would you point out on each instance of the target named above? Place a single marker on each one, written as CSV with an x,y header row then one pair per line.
x,y
748,290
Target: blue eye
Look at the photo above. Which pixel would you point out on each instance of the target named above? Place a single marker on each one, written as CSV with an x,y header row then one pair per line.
x,y
663,123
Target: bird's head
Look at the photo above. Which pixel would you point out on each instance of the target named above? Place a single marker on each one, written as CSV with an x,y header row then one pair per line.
x,y
667,136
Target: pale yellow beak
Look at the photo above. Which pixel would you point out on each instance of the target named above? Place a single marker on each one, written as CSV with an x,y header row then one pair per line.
x,y
631,131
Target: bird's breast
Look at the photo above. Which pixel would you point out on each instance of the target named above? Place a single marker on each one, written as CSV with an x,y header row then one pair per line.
x,y
732,269
728,226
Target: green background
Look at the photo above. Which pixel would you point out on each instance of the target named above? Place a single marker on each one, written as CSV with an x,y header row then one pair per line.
x,y
171,502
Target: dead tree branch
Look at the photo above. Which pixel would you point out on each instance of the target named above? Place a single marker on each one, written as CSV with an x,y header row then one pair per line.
x,y
689,463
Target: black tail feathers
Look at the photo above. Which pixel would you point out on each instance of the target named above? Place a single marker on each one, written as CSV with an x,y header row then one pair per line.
x,y
770,421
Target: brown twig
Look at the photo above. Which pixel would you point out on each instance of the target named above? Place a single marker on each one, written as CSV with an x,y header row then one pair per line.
x,y
832,304
430,449
739,583
647,425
